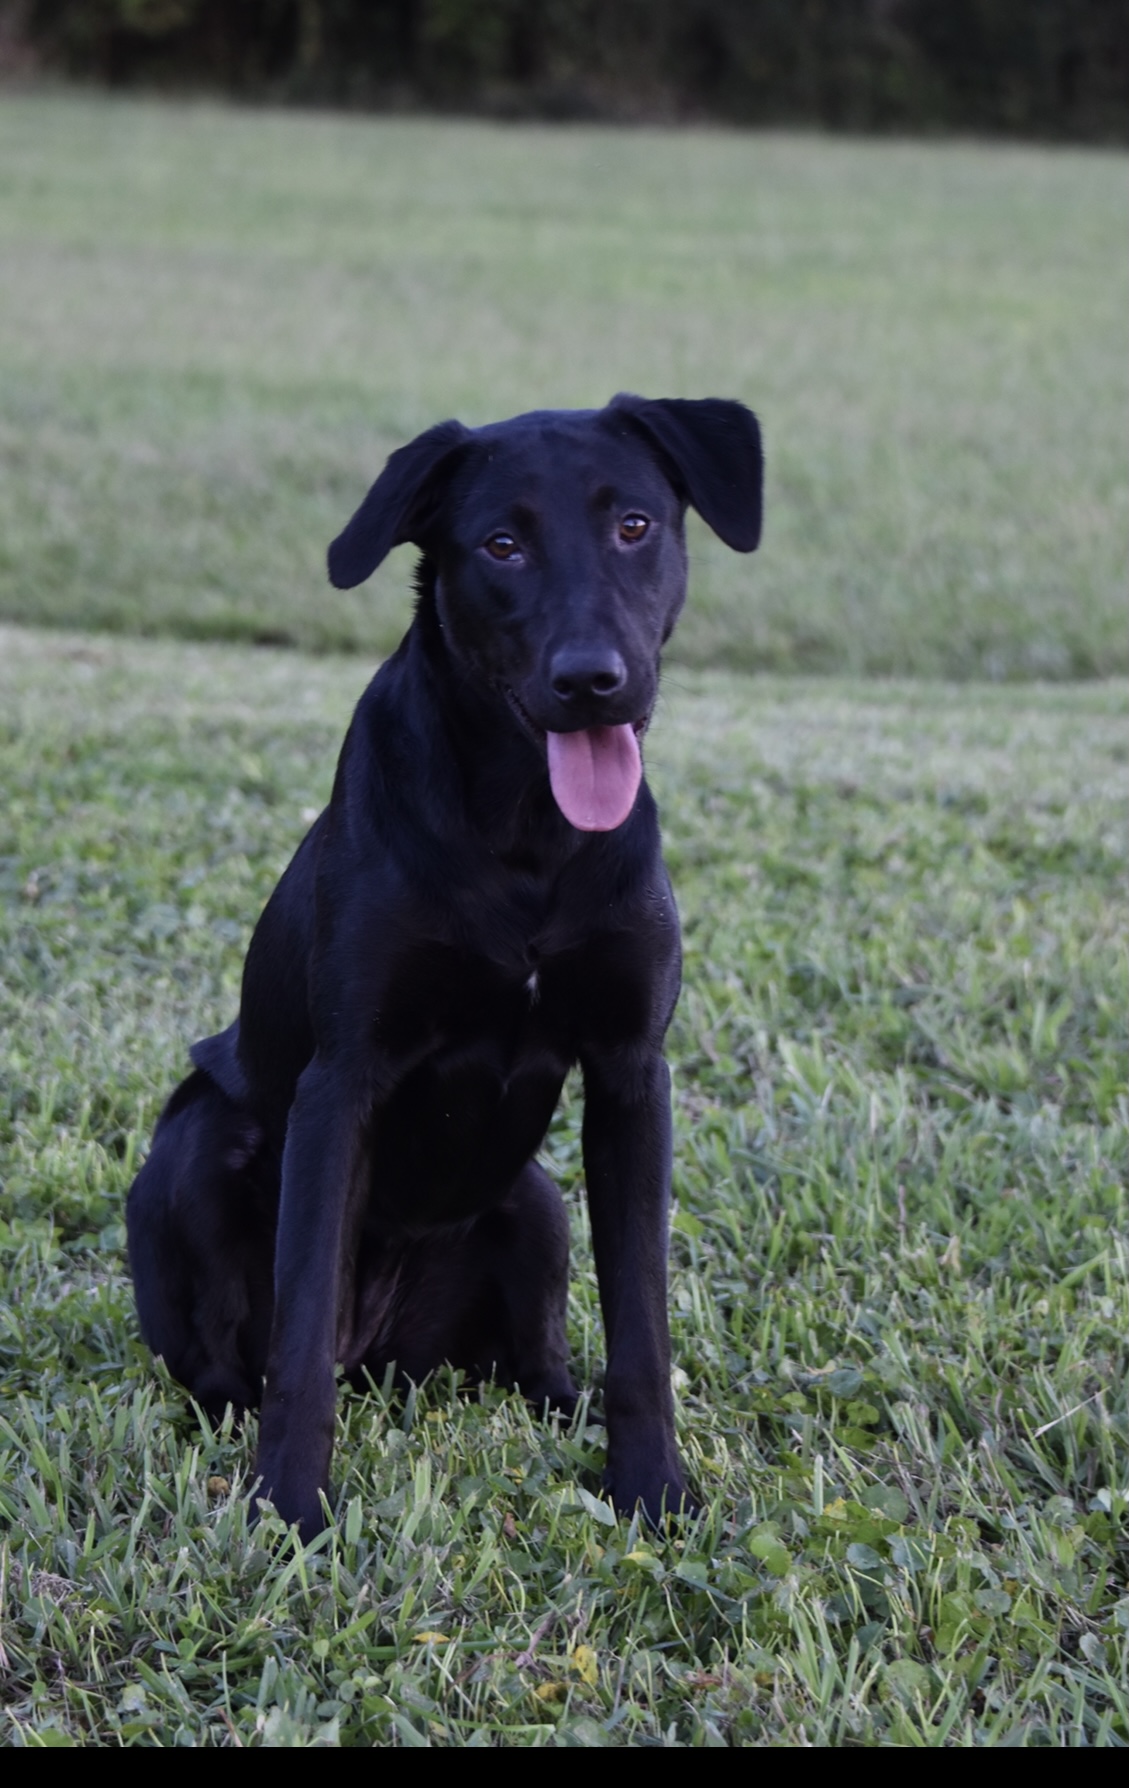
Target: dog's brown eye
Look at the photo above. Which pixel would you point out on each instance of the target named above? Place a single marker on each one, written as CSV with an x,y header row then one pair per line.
x,y
502,546
633,528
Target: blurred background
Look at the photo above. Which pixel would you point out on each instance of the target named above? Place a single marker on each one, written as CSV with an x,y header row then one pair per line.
x,y
1056,68
247,249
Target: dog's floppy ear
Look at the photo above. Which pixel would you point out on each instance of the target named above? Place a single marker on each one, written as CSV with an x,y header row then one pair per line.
x,y
713,447
397,507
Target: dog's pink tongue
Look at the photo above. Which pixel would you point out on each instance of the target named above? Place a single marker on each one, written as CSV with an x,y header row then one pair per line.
x,y
595,775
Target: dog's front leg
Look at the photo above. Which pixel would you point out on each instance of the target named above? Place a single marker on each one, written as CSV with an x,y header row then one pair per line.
x,y
324,1183
627,1160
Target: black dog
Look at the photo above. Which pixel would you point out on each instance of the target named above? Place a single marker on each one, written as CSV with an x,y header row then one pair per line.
x,y
349,1175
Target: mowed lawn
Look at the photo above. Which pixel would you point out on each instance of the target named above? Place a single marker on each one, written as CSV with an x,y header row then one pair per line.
x,y
215,324
899,1282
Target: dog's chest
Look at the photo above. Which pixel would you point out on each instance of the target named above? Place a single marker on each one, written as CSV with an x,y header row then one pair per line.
x,y
449,1005
481,1055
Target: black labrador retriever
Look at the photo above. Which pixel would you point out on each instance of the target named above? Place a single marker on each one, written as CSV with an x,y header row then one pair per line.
x,y
349,1174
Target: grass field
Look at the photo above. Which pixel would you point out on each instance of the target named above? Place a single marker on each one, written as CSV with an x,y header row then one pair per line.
x,y
214,324
899,1257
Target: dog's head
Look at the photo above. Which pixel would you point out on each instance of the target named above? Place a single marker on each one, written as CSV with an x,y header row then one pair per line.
x,y
558,544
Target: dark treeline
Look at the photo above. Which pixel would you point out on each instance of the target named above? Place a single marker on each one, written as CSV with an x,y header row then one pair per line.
x,y
1049,68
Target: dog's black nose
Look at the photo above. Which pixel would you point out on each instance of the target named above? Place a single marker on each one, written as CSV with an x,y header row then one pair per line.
x,y
586,671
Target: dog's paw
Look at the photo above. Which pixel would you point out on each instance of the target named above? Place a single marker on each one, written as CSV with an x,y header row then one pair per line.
x,y
557,1398
309,1521
662,1496
296,1498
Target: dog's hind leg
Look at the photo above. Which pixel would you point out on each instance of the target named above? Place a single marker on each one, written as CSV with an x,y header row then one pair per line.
x,y
531,1260
201,1220
488,1297
525,1245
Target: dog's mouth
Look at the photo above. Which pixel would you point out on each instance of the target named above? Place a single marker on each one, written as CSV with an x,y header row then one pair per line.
x,y
594,772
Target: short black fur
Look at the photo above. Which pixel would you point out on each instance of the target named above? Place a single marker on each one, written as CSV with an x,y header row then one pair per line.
x,y
348,1175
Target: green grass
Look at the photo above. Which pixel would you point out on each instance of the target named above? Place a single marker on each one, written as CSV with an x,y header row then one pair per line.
x,y
899,1281
215,324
